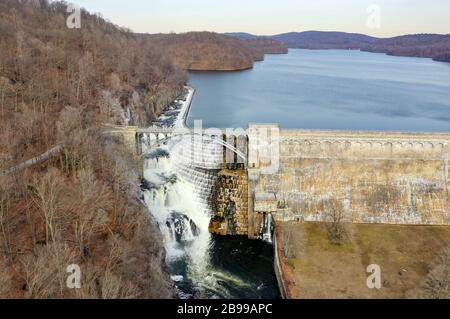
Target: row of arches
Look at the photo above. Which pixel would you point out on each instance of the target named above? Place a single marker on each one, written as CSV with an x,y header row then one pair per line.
x,y
440,145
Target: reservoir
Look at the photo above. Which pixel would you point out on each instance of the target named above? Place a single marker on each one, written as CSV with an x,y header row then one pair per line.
x,y
327,89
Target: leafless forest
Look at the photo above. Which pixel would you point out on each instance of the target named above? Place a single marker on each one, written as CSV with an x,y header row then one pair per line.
x,y
211,51
82,206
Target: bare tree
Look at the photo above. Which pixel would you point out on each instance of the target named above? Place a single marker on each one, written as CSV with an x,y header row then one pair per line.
x,y
108,282
5,87
100,73
45,274
338,229
47,195
114,287
86,70
110,107
437,283
5,235
92,200
69,120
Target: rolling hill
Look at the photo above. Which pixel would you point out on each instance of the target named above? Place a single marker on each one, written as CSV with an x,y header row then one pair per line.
x,y
201,51
435,46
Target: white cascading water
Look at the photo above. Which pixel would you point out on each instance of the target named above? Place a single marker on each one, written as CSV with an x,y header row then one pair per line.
x,y
175,205
178,196
267,229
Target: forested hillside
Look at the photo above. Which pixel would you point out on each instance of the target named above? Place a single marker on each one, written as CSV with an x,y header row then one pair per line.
x,y
317,40
267,45
202,51
83,205
435,46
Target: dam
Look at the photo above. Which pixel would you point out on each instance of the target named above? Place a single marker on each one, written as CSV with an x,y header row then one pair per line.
x,y
265,172
214,191
202,185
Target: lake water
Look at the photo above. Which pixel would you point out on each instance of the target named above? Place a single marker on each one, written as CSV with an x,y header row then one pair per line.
x,y
327,89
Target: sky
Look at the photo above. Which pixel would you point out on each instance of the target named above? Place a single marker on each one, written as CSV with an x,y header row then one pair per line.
x,y
381,18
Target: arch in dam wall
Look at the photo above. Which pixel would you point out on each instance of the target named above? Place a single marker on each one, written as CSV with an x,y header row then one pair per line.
x,y
235,148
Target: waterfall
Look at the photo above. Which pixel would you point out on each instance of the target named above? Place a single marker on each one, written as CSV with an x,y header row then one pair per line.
x,y
267,231
175,205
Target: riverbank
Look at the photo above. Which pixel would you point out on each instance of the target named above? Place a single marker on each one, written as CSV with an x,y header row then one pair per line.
x,y
186,106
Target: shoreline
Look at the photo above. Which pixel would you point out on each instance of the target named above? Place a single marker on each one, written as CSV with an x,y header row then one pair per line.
x,y
184,112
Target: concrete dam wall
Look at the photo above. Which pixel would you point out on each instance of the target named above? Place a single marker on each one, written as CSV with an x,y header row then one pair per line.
x,y
394,178
371,177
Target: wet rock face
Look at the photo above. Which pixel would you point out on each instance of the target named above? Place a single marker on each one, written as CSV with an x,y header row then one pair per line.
x,y
230,203
229,213
182,227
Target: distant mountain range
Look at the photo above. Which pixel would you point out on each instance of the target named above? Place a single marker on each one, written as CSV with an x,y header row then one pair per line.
x,y
433,46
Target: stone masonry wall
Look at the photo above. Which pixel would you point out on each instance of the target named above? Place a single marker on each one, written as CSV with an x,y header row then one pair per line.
x,y
396,178
231,185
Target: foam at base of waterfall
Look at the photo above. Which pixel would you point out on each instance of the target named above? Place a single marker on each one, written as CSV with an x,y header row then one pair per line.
x,y
177,278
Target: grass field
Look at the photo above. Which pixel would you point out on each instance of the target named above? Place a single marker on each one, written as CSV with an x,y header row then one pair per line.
x,y
320,269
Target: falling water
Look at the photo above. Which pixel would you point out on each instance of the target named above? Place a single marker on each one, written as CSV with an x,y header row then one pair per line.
x,y
175,205
267,230
178,182
178,208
